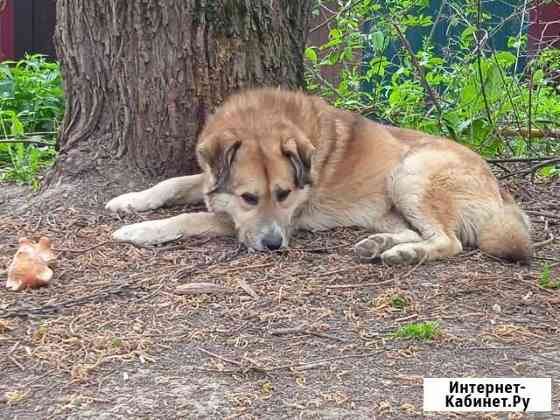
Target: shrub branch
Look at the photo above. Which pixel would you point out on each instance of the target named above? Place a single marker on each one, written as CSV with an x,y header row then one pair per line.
x,y
422,77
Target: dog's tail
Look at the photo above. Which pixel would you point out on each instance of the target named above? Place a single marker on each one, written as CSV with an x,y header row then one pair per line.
x,y
507,234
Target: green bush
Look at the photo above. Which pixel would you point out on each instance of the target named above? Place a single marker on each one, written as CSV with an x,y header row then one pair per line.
x,y
466,90
31,108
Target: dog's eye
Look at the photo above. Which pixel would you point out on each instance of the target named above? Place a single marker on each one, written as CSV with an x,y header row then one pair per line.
x,y
251,199
281,195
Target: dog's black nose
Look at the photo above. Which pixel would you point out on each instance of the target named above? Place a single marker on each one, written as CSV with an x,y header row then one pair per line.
x,y
272,242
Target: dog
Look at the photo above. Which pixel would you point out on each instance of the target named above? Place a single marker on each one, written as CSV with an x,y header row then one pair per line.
x,y
274,161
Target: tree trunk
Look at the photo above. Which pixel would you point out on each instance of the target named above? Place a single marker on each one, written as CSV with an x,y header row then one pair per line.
x,y
140,77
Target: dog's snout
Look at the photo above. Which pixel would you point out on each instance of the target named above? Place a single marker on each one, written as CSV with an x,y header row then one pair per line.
x,y
272,241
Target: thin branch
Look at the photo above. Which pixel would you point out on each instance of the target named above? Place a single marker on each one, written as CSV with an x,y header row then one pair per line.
x,y
436,20
531,133
422,77
27,141
480,41
529,159
529,111
532,169
507,86
325,82
519,37
336,15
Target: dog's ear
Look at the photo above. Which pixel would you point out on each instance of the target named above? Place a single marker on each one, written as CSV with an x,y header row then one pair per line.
x,y
299,150
216,154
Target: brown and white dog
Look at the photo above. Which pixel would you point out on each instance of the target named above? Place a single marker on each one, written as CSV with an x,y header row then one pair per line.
x,y
275,161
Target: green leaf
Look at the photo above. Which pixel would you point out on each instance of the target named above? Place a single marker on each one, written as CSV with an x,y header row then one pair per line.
x,y
333,58
538,77
7,89
505,58
466,38
311,54
469,94
395,97
5,72
17,126
378,41
548,171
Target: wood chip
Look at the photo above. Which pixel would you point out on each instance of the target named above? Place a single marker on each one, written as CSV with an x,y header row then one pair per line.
x,y
200,288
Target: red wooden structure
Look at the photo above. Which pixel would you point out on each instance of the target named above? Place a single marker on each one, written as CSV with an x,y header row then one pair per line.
x,y
544,26
26,26
6,30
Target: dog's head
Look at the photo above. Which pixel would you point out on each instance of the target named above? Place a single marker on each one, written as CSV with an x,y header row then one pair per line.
x,y
259,177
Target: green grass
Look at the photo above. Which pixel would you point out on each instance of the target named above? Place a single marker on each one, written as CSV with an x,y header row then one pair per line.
x,y
399,302
419,331
546,281
31,107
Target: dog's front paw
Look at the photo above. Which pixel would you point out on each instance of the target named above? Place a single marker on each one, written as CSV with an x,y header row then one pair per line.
x,y
371,248
148,233
133,201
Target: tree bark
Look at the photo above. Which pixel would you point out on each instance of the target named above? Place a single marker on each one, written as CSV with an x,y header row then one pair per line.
x,y
140,77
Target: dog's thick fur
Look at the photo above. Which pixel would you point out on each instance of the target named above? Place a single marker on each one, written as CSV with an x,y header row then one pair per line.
x,y
274,161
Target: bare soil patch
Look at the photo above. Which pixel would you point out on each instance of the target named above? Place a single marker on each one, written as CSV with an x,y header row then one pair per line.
x,y
305,333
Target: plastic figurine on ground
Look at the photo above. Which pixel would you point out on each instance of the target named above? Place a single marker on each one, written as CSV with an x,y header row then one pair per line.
x,y
30,266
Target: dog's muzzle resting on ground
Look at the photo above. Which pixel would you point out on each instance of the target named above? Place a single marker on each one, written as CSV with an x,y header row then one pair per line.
x,y
275,161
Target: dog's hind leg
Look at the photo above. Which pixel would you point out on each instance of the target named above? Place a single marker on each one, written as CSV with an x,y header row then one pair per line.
x,y
429,203
395,230
438,246
173,191
155,232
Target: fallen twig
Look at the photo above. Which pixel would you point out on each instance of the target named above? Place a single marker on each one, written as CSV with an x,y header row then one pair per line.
x,y
15,362
303,330
79,251
543,213
248,289
201,288
381,283
217,356
551,239
359,285
329,336
323,249
13,349
54,308
296,366
329,273
413,269
195,269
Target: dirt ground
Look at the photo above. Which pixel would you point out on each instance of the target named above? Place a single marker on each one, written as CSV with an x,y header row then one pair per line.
x,y
306,333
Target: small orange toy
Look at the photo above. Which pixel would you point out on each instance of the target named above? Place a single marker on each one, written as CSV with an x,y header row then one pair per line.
x,y
30,266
